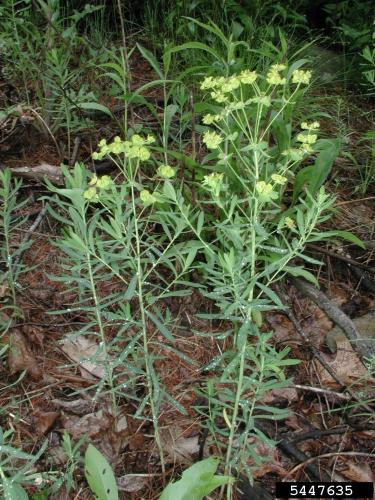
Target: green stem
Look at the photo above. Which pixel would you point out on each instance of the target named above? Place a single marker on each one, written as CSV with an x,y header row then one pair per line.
x,y
148,361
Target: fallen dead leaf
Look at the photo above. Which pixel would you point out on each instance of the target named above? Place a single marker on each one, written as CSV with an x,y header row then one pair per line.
x,y
34,334
86,352
280,396
179,448
4,290
43,420
91,424
358,472
108,434
346,365
77,406
132,483
20,357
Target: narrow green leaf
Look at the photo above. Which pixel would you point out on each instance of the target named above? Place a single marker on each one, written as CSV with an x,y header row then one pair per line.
x,y
151,59
346,235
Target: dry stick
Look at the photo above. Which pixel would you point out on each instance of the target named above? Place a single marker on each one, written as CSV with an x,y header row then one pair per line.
x,y
339,395
364,280
317,354
292,451
362,346
318,433
328,455
77,142
341,257
354,201
29,232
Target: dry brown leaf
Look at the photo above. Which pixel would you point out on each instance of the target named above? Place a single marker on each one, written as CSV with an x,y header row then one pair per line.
x,y
43,420
288,394
346,365
91,424
283,328
358,472
86,352
132,483
4,290
20,357
77,406
34,334
272,463
179,448
103,430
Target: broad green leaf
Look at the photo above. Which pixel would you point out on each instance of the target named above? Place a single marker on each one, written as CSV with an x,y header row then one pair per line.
x,y
196,482
95,106
314,176
13,491
99,475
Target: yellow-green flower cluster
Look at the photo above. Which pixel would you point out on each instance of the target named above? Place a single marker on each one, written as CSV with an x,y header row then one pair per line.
x,y
210,119
166,172
262,99
212,140
214,182
96,185
310,126
265,191
147,198
301,76
247,77
279,179
135,148
289,222
307,138
274,77
294,154
221,86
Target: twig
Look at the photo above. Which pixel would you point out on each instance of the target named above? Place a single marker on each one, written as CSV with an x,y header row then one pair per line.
x,y
317,354
339,395
292,451
328,455
29,233
365,281
318,433
362,346
342,257
354,201
77,142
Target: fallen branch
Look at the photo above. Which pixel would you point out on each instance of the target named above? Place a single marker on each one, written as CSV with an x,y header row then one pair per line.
x,y
292,451
364,347
316,353
318,433
336,255
39,172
